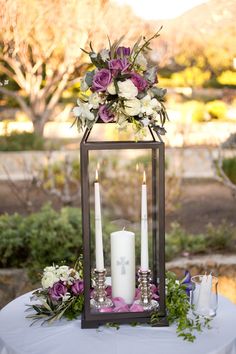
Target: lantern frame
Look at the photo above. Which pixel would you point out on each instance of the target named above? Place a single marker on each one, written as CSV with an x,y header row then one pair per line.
x,y
157,147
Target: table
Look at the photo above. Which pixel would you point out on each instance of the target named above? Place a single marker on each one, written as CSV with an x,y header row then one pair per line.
x,y
17,337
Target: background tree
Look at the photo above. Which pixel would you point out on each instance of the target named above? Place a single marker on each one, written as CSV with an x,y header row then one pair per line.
x,y
40,47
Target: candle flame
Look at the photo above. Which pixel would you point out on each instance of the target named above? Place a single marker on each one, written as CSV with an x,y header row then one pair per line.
x,y
137,167
144,177
96,176
98,166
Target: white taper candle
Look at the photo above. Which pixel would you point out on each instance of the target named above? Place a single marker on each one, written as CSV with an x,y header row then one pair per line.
x,y
144,226
98,226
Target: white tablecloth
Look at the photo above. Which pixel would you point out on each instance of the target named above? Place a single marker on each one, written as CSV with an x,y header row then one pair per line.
x,y
63,337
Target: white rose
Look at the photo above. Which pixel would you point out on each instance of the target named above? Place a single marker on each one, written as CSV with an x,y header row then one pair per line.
x,y
111,89
149,105
127,89
95,100
49,269
63,273
49,278
132,107
141,61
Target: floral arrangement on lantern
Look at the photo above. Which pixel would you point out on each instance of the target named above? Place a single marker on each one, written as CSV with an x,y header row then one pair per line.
x,y
121,89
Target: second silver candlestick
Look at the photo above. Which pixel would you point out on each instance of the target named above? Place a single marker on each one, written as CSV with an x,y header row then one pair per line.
x,y
146,301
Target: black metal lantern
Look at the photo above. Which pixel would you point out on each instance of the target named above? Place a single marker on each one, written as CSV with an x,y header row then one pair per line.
x,y
154,147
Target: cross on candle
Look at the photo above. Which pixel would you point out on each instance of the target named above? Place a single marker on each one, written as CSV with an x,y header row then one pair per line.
x,y
122,262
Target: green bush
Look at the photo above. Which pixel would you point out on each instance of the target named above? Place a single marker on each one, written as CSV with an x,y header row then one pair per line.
x,y
220,238
48,237
13,247
229,167
216,109
21,141
43,238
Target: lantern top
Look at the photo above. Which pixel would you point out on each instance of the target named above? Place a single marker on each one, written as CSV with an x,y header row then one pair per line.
x,y
110,133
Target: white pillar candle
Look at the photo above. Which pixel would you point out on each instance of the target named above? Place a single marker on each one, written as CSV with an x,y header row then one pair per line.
x,y
203,303
144,226
123,265
98,226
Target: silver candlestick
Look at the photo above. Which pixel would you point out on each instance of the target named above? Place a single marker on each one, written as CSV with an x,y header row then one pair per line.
x,y
146,301
100,299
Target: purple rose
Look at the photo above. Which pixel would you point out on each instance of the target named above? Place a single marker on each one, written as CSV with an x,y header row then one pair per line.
x,y
77,287
118,65
123,51
138,81
101,80
105,114
57,291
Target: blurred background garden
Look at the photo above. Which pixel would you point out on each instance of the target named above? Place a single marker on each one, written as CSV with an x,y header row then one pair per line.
x,y
41,63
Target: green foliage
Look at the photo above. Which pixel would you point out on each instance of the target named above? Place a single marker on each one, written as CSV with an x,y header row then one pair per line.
x,y
229,167
216,238
13,248
216,109
21,141
48,236
178,310
52,237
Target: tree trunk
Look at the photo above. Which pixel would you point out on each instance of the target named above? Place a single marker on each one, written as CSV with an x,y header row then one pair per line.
x,y
38,125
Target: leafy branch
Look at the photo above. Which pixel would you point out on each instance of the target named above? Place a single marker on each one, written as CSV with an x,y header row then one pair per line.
x,y
144,46
178,311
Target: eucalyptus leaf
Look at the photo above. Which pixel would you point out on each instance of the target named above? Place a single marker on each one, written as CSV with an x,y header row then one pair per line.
x,y
158,92
89,77
151,75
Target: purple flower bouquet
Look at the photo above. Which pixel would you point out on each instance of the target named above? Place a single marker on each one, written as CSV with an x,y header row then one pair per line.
x,y
121,88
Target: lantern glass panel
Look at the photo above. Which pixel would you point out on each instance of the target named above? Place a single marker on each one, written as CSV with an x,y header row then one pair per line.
x,y
120,177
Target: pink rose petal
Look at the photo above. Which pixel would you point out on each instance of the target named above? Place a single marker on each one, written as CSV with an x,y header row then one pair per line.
x,y
106,309
136,308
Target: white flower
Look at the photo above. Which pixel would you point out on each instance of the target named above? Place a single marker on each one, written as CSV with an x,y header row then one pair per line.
x,y
105,54
141,61
48,279
83,110
145,122
63,273
132,107
95,100
83,84
149,105
111,89
49,269
66,297
63,269
127,89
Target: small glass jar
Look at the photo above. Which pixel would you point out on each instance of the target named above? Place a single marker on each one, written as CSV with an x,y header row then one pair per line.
x,y
204,297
